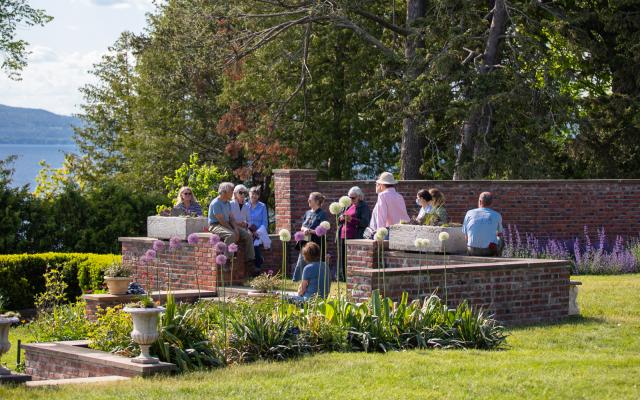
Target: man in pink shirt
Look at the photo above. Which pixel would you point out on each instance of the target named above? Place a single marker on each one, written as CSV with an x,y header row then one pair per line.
x,y
390,208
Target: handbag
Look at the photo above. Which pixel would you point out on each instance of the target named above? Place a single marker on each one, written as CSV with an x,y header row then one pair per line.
x,y
368,233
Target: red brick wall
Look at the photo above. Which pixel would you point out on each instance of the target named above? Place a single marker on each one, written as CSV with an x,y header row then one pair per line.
x,y
517,292
188,263
548,208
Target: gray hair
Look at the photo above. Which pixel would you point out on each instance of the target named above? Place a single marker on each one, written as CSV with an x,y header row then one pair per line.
x,y
240,189
225,187
356,191
486,198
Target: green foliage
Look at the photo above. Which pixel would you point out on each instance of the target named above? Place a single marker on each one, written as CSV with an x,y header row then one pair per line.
x,y
266,282
54,291
112,332
14,14
62,322
202,178
145,301
117,270
22,276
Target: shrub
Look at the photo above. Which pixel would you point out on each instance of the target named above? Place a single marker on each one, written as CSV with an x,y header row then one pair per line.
x,y
63,322
22,276
117,270
112,332
266,282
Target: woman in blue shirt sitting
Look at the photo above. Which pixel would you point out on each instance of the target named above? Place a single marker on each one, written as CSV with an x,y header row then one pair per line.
x,y
258,225
315,275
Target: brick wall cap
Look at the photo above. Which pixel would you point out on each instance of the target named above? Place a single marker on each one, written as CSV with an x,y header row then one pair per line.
x,y
139,239
286,171
485,181
515,264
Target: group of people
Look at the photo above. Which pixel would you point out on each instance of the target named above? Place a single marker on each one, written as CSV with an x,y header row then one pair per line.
x,y
236,215
236,219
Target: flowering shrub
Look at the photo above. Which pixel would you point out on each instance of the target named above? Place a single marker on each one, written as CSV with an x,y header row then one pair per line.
x,y
586,257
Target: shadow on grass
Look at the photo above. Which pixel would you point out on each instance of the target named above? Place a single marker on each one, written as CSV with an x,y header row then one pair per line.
x,y
572,320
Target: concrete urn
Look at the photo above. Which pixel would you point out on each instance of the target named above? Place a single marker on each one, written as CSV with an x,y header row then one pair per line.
x,y
145,331
5,344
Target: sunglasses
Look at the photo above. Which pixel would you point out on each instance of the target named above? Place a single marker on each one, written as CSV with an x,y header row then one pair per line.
x,y
187,193
353,197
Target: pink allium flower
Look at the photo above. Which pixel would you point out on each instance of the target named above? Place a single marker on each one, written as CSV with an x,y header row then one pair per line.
x,y
214,239
193,238
145,259
150,254
298,236
221,259
321,231
270,272
174,243
233,248
221,247
158,245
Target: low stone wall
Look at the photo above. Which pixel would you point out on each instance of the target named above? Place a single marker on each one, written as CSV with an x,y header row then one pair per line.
x,y
517,291
189,265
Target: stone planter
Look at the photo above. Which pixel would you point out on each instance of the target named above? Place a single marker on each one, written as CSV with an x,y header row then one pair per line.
x,y
5,344
117,285
145,331
402,237
168,227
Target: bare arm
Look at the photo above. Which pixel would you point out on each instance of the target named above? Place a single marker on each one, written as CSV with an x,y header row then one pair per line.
x,y
303,287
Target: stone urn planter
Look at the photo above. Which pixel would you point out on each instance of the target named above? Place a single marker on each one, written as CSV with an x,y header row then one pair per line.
x,y
402,237
5,344
117,285
167,227
145,331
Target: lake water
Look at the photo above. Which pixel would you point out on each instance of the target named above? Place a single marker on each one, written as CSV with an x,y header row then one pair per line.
x,y
27,166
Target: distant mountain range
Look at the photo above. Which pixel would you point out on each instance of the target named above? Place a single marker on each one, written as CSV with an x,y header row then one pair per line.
x,y
34,126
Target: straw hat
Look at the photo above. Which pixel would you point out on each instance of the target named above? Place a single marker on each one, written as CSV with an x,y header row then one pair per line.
x,y
386,178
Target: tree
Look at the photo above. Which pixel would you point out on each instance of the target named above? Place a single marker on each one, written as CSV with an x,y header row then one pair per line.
x,y
12,49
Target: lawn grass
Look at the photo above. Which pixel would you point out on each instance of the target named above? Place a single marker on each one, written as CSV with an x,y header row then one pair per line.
x,y
594,356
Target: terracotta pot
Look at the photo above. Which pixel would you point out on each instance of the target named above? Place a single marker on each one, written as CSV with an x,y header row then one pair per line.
x,y
145,331
117,285
5,344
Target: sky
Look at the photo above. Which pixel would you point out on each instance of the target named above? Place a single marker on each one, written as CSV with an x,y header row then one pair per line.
x,y
64,50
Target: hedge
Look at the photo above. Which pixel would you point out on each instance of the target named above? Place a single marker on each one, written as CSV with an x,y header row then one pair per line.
x,y
22,275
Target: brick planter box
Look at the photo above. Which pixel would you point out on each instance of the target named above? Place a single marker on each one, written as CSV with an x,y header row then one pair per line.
x,y
517,291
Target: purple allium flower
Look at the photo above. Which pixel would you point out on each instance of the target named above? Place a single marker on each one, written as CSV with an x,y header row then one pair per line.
x,y
298,236
193,238
145,259
150,254
221,259
214,239
221,247
174,243
321,231
233,248
270,272
158,245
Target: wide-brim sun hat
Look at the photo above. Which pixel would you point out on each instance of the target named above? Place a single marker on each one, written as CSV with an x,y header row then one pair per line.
x,y
386,178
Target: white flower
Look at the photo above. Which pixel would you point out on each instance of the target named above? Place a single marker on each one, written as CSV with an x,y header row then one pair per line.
x,y
426,242
443,236
379,236
325,224
383,231
417,243
335,208
285,235
345,201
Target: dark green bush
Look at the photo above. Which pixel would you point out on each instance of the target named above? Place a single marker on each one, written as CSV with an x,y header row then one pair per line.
x,y
22,275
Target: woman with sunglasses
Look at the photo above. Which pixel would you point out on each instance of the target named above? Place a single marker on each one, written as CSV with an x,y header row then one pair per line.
x,y
353,221
186,204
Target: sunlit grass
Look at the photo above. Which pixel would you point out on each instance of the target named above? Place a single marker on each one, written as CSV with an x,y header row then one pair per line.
x,y
594,356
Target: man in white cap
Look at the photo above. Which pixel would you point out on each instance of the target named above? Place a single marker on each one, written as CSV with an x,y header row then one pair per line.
x,y
390,208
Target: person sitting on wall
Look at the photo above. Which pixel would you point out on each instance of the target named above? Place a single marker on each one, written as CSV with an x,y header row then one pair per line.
x,y
423,200
186,204
222,223
482,227
315,275
258,225
390,208
437,214
239,207
311,220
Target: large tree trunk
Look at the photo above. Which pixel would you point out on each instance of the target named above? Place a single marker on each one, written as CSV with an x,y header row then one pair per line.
x,y
470,160
413,143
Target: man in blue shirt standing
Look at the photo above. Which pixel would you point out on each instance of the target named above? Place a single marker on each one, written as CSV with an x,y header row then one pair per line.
x,y
482,227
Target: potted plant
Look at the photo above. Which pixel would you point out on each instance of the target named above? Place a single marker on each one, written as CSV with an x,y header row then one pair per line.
x,y
117,277
264,284
145,315
6,320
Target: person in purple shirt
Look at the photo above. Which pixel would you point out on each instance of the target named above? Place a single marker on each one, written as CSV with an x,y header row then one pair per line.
x,y
390,208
